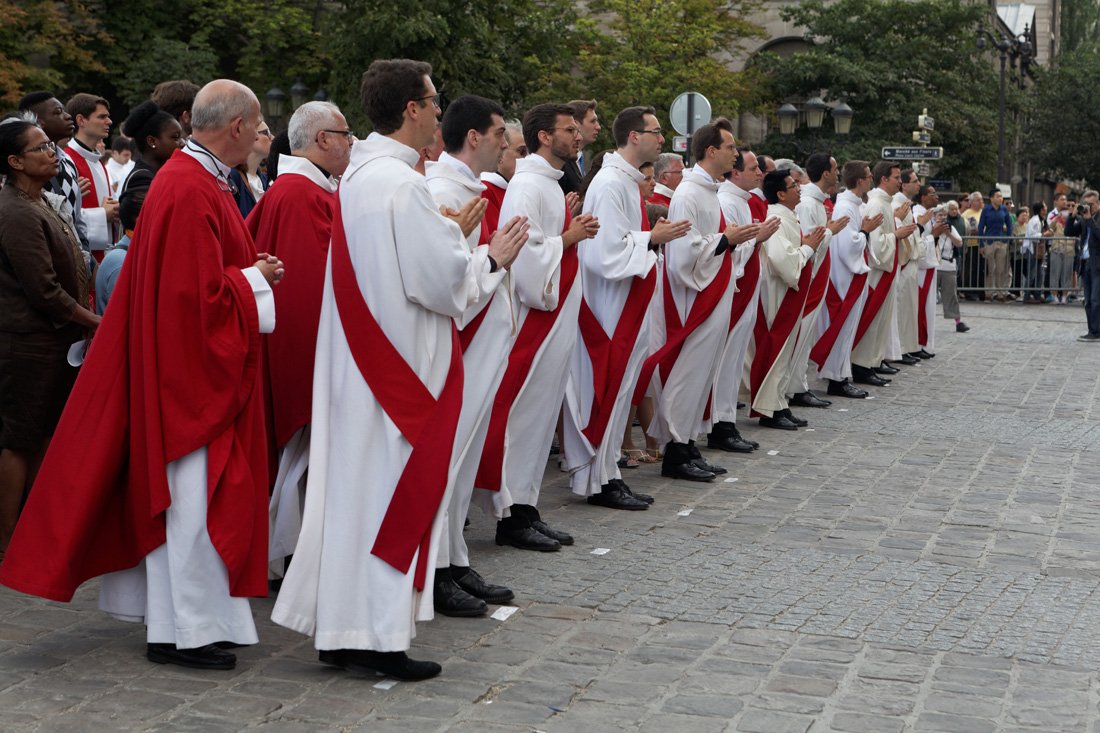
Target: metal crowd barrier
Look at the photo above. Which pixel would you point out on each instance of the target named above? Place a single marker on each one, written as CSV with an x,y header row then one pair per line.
x,y
1017,268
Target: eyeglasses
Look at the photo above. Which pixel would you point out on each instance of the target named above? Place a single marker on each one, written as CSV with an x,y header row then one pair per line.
x,y
793,186
570,130
42,148
266,133
347,133
651,132
433,97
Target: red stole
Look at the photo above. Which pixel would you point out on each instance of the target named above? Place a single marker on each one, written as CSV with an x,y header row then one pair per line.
x,y
466,334
770,339
91,199
427,422
818,286
746,285
676,333
876,296
659,199
491,221
610,355
536,327
838,314
922,303
758,207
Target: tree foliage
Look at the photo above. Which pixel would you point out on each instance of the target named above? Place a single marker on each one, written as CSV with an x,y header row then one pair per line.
x,y
1063,117
889,60
1080,26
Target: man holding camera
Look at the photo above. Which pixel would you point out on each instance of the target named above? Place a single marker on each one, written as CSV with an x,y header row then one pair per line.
x,y
1090,266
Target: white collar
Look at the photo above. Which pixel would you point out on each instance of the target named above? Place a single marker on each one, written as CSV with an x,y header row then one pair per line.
x,y
614,161
814,191
782,212
849,194
379,146
297,165
458,165
731,187
700,177
90,155
492,178
538,165
663,190
213,165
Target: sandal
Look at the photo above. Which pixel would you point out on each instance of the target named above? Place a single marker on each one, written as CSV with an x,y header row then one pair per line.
x,y
641,456
626,461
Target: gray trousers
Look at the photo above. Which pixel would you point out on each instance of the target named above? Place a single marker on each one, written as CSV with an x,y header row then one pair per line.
x,y
948,296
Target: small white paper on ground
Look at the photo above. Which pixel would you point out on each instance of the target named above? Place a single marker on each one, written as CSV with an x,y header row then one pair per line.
x,y
870,397
502,613
731,479
809,430
843,409
601,551
385,684
773,453
683,513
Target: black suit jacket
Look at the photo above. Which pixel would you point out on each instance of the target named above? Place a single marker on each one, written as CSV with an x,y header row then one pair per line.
x,y
1091,225
571,181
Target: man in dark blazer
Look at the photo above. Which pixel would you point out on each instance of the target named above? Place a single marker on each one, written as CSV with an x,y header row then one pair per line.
x,y
584,111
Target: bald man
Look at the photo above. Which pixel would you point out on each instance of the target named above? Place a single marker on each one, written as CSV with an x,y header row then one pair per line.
x,y
167,498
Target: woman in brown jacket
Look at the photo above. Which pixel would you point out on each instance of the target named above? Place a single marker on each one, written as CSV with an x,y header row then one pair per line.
x,y
43,298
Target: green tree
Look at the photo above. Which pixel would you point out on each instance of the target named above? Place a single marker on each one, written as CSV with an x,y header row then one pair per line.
x,y
889,59
1063,117
649,51
1080,26
499,50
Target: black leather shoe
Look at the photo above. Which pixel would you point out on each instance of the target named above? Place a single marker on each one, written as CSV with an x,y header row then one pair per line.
x,y
923,354
737,436
203,657
872,379
908,360
886,369
688,472
526,538
706,465
846,389
809,399
543,528
779,422
729,444
629,491
740,405
470,581
392,664
613,497
794,418
450,600
961,327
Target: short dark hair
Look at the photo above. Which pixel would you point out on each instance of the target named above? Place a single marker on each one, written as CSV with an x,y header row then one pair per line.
x,y
775,182
739,164
387,86
1038,206
646,164
85,105
176,96
121,144
908,175
629,120
469,112
883,169
817,164
13,137
993,192
34,99
853,172
579,108
542,117
709,136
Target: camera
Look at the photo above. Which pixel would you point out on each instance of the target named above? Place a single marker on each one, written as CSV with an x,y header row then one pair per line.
x,y
1082,210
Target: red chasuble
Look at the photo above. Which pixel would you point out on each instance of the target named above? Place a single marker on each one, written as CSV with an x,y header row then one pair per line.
x,y
174,366
659,199
293,221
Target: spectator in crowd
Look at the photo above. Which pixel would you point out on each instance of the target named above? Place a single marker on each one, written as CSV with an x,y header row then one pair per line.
x,y
248,182
576,171
176,97
280,145
43,289
1089,216
1033,252
947,248
648,184
970,276
120,162
1061,252
993,229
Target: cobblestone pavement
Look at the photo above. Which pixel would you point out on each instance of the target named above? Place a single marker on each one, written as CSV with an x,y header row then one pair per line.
x,y
928,560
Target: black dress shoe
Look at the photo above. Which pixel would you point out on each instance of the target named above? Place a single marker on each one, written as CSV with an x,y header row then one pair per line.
x,y
809,399
613,497
885,368
228,645
688,472
526,538
629,491
203,657
729,444
451,600
543,528
925,355
961,327
740,405
778,421
793,418
846,389
737,435
392,664
706,465
470,581
907,360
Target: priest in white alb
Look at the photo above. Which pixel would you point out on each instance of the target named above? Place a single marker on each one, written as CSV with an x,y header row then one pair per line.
x,y
387,389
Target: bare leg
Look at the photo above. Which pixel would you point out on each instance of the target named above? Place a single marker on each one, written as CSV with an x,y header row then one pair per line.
x,y
14,469
645,417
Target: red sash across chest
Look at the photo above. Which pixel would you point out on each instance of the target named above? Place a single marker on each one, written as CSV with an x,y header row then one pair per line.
x,y
839,309
922,303
427,422
876,296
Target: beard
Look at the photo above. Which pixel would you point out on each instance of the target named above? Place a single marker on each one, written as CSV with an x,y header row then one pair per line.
x,y
563,152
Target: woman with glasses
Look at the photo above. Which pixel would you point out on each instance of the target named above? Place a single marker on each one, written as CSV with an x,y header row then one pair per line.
x,y
43,298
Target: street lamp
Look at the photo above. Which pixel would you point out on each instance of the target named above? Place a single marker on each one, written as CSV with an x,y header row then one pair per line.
x,y
274,106
299,93
1019,47
814,109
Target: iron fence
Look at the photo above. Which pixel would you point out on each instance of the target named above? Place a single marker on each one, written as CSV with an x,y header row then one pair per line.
x,y
1019,268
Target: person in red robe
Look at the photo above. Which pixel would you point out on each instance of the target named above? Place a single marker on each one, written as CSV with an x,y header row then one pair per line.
x,y
169,494
293,221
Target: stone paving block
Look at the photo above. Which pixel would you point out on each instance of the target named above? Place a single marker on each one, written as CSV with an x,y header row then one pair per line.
x,y
236,707
940,723
802,685
865,723
710,706
768,721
